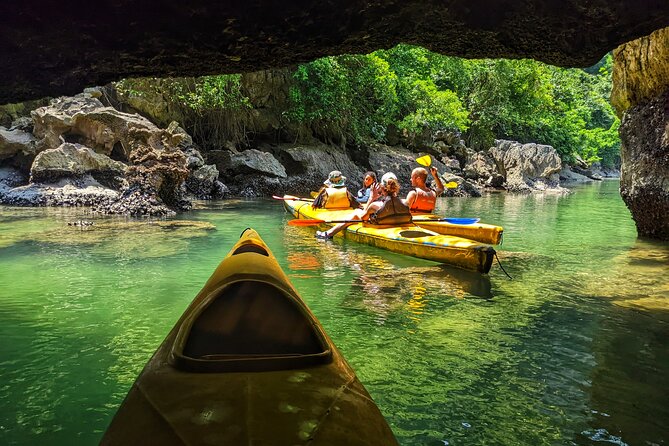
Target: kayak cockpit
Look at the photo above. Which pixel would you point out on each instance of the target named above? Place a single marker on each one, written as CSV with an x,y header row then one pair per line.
x,y
249,325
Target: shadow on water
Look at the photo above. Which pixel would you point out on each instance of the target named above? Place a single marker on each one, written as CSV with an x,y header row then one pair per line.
x,y
629,392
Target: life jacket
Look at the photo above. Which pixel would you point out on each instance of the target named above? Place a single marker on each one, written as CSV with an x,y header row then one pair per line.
x,y
363,195
425,200
392,212
333,198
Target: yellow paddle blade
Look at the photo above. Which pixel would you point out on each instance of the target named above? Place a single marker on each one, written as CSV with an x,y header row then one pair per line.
x,y
424,160
451,185
313,194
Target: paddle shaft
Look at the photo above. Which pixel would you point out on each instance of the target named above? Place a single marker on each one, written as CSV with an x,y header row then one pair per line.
x,y
314,222
276,197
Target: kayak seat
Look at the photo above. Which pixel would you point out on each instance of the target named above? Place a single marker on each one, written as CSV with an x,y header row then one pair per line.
x,y
414,234
250,247
254,319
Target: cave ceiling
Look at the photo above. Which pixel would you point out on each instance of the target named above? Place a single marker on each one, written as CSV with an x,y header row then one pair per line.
x,y
52,48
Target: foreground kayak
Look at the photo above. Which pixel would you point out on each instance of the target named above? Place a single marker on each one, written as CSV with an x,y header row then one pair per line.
x,y
410,239
480,232
248,364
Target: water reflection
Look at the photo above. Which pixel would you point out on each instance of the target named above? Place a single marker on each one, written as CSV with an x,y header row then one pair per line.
x,y
629,391
379,282
574,350
109,237
637,278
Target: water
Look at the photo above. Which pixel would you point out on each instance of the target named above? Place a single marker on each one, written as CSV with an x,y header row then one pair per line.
x,y
573,350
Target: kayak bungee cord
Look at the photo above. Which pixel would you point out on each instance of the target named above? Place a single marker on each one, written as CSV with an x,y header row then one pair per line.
x,y
500,265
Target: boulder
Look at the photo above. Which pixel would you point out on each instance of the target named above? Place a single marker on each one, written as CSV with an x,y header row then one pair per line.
x,y
250,161
569,176
204,184
481,167
588,172
81,191
604,171
85,120
451,164
464,189
11,177
16,142
75,160
156,170
527,167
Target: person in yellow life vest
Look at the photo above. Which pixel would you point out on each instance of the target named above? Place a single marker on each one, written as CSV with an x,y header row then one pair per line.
x,y
386,209
421,198
334,194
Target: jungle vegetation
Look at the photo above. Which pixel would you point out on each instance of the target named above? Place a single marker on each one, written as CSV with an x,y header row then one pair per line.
x,y
412,90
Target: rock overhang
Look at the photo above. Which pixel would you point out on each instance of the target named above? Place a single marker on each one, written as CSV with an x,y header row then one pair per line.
x,y
54,49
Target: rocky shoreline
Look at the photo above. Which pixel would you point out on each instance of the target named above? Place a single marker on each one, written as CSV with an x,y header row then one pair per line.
x,y
79,151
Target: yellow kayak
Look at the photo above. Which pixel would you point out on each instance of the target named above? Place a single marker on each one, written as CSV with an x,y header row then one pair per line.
x,y
410,240
480,232
248,364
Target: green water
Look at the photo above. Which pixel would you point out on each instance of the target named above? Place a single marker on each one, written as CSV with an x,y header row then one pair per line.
x,y
573,350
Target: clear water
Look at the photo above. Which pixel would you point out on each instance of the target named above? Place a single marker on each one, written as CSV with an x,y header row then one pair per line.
x,y
573,350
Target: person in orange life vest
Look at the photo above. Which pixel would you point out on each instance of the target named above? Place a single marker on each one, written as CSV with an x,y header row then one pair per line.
x,y
334,194
387,208
421,198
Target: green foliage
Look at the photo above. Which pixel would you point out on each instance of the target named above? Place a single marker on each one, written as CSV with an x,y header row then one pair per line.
x,y
352,95
222,92
433,109
358,97
416,90
207,107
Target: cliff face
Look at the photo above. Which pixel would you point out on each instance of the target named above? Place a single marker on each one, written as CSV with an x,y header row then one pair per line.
x,y
641,95
641,70
50,50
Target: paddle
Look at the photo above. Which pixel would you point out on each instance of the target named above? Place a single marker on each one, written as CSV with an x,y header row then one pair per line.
x,y
314,222
426,161
290,197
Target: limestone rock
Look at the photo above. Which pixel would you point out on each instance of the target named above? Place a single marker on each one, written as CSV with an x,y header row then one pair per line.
x,y
41,57
71,160
641,92
156,170
85,120
644,187
568,176
481,167
149,102
640,70
527,166
13,142
204,184
250,161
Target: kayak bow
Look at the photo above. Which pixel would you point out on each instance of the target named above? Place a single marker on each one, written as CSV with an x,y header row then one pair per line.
x,y
248,364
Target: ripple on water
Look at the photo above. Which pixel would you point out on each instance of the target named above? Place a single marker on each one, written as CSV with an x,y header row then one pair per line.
x,y
570,350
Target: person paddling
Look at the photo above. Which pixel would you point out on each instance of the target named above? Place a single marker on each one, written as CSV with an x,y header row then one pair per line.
x,y
386,209
422,198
